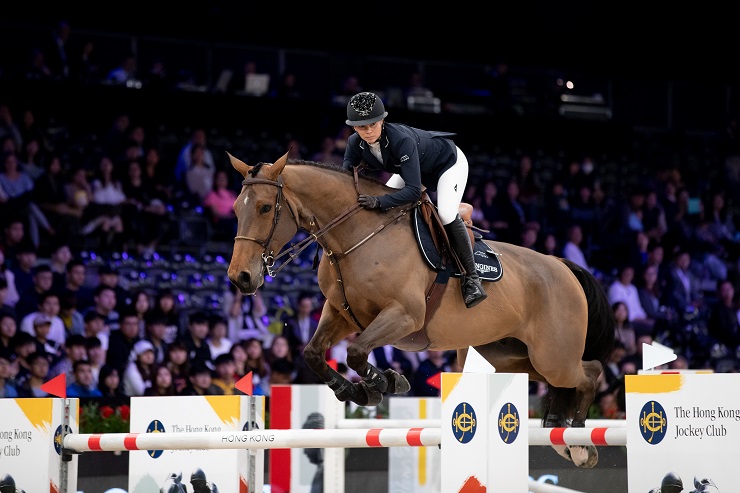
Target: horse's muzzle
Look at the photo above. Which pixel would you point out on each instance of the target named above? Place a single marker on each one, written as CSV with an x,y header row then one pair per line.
x,y
243,282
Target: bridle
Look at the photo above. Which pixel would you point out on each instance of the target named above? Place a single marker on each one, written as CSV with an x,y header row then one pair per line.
x,y
268,256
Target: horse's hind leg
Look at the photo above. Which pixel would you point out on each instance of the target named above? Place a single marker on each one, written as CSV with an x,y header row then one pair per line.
x,y
585,456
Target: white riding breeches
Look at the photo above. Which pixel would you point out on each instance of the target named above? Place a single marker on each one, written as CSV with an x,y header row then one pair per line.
x,y
450,188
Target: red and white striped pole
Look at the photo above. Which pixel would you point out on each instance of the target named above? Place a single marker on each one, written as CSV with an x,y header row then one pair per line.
x,y
256,439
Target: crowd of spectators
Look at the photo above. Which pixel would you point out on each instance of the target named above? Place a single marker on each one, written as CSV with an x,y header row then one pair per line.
x,y
666,251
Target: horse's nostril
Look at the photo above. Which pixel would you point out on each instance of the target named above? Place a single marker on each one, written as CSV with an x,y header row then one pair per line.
x,y
243,278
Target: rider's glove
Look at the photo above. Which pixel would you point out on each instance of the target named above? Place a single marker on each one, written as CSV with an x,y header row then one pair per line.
x,y
369,202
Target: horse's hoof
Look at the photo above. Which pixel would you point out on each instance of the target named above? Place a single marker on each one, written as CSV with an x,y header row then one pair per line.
x,y
584,457
397,383
371,396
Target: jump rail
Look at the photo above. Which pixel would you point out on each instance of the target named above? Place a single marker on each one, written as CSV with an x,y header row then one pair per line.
x,y
308,438
360,423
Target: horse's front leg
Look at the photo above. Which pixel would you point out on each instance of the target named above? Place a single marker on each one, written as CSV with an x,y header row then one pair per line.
x,y
388,327
332,329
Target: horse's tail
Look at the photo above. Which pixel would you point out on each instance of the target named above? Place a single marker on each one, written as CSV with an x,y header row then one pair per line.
x,y
600,332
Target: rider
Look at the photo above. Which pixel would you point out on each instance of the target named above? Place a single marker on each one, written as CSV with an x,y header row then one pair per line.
x,y
199,483
415,158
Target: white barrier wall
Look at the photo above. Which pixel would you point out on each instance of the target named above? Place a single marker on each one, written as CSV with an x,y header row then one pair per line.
x,y
684,423
229,470
485,432
31,443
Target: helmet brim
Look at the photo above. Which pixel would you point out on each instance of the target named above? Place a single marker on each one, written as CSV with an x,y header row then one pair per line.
x,y
368,121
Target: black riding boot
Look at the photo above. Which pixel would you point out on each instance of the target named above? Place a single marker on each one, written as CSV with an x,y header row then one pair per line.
x,y
472,290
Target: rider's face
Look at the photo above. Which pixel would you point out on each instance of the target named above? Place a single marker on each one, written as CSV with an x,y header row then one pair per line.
x,y
370,133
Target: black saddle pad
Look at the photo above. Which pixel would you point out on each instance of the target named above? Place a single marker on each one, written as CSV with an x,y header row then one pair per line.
x,y
486,261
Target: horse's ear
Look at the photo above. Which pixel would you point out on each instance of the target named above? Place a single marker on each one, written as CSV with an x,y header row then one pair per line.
x,y
277,168
239,165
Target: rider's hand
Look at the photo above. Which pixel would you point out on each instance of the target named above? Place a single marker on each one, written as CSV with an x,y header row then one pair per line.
x,y
369,202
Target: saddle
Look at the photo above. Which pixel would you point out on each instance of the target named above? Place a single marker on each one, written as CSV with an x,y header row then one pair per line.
x,y
435,248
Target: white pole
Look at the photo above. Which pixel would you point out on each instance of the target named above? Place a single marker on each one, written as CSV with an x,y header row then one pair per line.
x,y
578,436
357,423
258,439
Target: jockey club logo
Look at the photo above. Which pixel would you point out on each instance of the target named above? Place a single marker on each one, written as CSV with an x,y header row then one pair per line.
x,y
155,426
464,422
59,438
508,423
653,422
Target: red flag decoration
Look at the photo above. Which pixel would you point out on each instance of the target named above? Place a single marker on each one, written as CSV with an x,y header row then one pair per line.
x,y
435,380
245,384
332,363
57,386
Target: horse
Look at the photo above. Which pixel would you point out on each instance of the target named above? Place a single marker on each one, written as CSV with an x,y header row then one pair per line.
x,y
173,484
546,316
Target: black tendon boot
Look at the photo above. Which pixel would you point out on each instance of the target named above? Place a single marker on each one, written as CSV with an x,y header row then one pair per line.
x,y
472,290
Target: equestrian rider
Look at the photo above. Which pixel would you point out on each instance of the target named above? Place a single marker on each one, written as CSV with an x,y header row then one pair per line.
x,y
415,158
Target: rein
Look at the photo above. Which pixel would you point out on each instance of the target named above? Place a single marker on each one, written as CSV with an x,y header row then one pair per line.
x,y
268,257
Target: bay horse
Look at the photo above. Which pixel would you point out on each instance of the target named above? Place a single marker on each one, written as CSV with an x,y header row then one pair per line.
x,y
546,316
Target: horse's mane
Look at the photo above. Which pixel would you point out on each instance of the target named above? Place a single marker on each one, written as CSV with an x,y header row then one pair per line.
x,y
316,164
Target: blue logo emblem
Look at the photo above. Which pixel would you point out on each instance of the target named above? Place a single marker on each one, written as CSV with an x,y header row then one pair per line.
x,y
464,422
254,426
155,427
508,423
59,438
653,422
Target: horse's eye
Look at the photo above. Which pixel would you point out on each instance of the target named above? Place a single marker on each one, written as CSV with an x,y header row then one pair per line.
x,y
265,209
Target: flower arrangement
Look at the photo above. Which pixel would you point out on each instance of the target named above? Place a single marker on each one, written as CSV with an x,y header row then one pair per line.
x,y
104,419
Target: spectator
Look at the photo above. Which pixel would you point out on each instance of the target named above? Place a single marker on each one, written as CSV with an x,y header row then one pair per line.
x,y
682,292
57,53
74,351
104,302
47,310
122,342
225,374
219,206
95,355
74,322
23,345
125,73
140,303
109,384
723,323
258,365
200,381
7,275
144,213
246,316
239,355
95,328
624,332
166,308
18,190
199,177
42,280
61,256
84,381
26,256
49,347
13,238
139,371
7,386
108,199
300,328
8,330
194,339
38,375
162,384
5,308
178,363
217,340
623,289
198,137
155,332
572,249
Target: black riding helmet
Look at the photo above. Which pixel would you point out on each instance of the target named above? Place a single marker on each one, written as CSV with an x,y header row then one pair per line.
x,y
365,108
198,475
671,483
